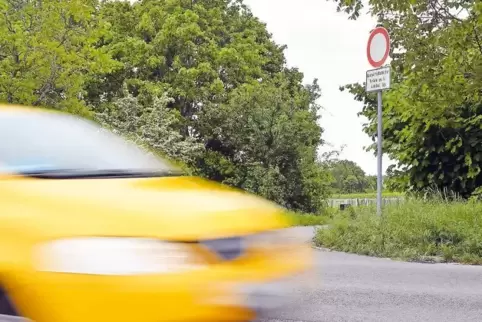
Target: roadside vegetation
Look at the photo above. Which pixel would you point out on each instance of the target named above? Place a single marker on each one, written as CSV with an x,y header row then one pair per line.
x,y
437,230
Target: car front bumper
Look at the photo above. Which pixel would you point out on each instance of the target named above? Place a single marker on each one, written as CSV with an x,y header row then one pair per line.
x,y
230,292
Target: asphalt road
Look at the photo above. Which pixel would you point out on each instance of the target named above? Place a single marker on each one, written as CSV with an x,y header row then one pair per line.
x,y
348,287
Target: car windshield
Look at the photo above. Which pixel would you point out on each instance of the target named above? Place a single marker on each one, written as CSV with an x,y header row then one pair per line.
x,y
33,143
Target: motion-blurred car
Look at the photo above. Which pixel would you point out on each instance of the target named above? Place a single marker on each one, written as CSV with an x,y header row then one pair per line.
x,y
93,228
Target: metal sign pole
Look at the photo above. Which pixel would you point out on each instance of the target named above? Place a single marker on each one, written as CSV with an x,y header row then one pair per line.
x,y
379,156
377,80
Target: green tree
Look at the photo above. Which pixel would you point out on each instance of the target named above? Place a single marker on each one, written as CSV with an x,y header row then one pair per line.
x,y
264,140
348,177
433,113
47,52
195,51
231,92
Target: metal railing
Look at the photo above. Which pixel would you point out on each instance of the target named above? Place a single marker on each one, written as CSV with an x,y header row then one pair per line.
x,y
355,202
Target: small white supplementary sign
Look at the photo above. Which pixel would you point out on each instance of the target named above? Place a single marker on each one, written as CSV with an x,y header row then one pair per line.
x,y
378,79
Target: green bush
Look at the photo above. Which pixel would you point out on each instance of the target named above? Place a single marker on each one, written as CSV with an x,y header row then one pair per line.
x,y
413,230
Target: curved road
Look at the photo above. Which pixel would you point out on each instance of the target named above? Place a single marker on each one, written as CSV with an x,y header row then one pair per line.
x,y
348,287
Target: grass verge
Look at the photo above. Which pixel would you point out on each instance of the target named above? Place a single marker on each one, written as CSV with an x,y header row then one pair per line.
x,y
414,230
302,219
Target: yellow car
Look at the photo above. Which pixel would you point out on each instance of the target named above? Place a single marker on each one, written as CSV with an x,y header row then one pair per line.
x,y
93,228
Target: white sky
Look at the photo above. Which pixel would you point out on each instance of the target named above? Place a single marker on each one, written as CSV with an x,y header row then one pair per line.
x,y
326,45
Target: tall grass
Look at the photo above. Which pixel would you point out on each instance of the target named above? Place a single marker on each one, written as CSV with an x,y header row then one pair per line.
x,y
418,229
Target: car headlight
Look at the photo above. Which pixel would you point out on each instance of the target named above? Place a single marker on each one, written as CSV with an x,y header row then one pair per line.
x,y
114,256
276,238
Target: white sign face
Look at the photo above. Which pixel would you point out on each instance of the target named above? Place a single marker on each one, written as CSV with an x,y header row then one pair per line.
x,y
378,47
378,79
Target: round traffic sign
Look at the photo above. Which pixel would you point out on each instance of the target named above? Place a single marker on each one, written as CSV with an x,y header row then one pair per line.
x,y
378,47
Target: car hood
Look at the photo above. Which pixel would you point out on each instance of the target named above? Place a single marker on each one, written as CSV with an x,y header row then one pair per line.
x,y
174,208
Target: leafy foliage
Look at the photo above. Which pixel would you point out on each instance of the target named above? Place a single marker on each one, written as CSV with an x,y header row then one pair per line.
x,y
230,90
152,127
433,113
264,141
47,52
350,178
196,51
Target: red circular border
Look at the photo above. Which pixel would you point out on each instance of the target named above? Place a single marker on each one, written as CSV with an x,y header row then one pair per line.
x,y
376,31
